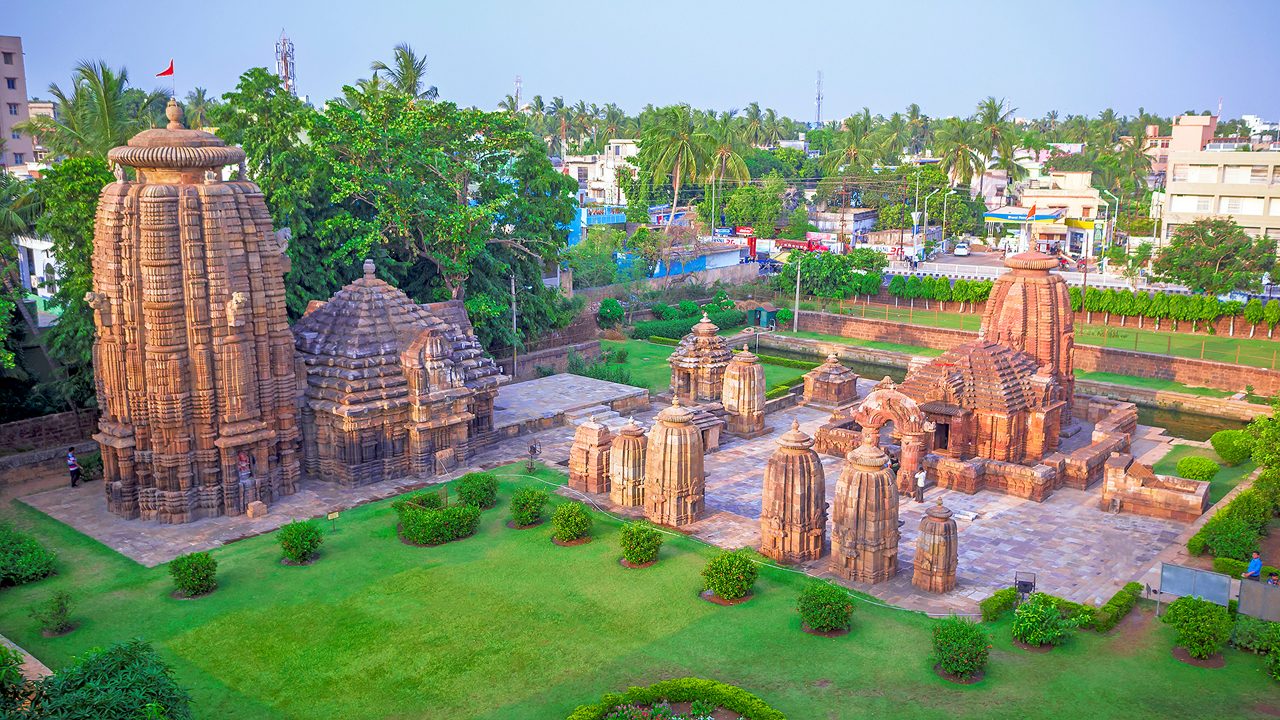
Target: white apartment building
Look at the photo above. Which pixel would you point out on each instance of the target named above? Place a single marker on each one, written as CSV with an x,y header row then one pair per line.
x,y
1220,183
597,175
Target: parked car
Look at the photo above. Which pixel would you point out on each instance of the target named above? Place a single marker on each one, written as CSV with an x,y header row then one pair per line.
x,y
962,249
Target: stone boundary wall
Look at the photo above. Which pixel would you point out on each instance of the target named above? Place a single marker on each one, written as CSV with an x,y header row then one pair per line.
x,y
1205,373
555,357
47,430
1217,407
732,274
55,454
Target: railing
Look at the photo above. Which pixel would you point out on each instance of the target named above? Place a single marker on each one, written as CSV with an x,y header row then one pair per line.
x,y
991,272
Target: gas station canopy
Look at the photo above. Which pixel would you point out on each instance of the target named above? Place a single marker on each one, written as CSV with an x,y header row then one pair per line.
x,y
1014,215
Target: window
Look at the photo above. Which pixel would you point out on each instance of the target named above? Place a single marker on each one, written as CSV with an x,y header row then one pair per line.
x,y
1245,174
1085,212
11,83
1180,172
1275,208
15,135
13,108
1240,206
1191,204
19,158
1203,174
8,58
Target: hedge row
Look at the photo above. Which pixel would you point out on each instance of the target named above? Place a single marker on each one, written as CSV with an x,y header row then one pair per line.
x,y
788,362
659,340
1236,530
731,698
678,328
784,389
1101,619
1115,609
1235,568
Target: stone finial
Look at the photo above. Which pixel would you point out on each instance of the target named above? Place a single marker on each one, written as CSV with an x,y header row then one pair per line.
x,y
795,424
369,269
832,358
675,401
173,111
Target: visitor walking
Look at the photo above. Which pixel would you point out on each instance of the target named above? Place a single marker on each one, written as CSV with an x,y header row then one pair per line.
x,y
1254,571
73,466
1273,579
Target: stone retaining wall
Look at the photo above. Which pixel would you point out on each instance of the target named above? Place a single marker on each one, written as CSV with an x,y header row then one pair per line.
x,y
1216,407
47,431
557,357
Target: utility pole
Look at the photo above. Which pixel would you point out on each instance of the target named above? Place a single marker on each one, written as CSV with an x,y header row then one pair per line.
x,y
519,84
795,316
515,339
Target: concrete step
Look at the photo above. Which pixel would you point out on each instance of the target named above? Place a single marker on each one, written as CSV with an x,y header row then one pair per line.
x,y
608,418
572,416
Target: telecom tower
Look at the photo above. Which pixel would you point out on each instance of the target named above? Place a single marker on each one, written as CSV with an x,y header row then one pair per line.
x,y
817,119
519,84
285,67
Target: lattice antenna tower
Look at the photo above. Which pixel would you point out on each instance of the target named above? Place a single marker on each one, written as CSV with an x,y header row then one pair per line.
x,y
285,67
519,85
817,116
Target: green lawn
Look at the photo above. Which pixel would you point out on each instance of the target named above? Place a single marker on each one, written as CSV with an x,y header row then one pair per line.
x,y
1151,384
506,625
1222,483
649,369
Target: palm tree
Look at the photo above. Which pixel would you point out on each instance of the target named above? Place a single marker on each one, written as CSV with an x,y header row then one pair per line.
x,y
725,155
355,96
771,130
677,148
959,146
753,124
894,137
918,125
994,117
407,73
94,116
197,107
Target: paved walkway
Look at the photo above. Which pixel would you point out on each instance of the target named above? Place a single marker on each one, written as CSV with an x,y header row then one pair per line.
x,y
550,396
32,669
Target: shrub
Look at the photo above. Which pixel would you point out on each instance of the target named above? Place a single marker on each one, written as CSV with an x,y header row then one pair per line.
x,y
1000,602
1251,507
1194,467
479,489
960,646
570,522
1038,621
194,574
825,607
663,311
116,684
438,525
787,362
1234,568
680,327
22,558
610,312
527,504
1079,615
53,615
1230,537
1197,543
300,540
784,317
659,340
1273,664
1115,609
687,309
1233,446
713,693
640,542
1254,635
1203,627
428,499
730,574
13,689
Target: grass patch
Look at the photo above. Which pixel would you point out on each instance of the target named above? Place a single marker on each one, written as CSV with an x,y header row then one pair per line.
x,y
649,369
1222,483
1151,384
506,625
873,344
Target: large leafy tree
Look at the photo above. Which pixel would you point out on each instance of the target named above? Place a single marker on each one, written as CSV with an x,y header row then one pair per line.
x,y
1215,256
271,124
19,205
99,112
69,195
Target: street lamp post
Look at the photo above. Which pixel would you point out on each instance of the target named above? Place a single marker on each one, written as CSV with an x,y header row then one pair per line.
x,y
944,214
795,315
926,214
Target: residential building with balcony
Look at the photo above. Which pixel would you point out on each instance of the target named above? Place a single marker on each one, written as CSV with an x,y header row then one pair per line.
x,y
1216,179
1081,207
13,106
597,174
41,108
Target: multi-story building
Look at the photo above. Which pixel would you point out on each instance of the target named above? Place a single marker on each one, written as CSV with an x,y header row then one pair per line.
x,y
1212,179
1081,204
597,175
41,108
13,106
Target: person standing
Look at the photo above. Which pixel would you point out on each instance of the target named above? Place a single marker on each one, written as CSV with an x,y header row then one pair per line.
x,y
73,467
1254,571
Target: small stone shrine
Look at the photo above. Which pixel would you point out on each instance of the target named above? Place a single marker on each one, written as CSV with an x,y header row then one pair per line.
x,y
698,364
674,479
864,541
192,356
830,385
743,395
589,458
793,513
937,551
392,388
626,466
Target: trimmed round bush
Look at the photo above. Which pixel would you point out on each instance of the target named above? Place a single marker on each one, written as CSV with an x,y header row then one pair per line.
x,y
22,558
436,526
1233,446
640,542
610,312
960,646
194,574
731,574
479,489
300,540
570,522
1194,467
825,607
1203,627
527,505
1038,621
690,690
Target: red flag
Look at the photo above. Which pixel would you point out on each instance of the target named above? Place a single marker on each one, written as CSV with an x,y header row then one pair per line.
x,y
1031,214
167,71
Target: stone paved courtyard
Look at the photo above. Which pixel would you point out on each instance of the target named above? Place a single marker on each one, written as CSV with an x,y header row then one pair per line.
x,y
1077,551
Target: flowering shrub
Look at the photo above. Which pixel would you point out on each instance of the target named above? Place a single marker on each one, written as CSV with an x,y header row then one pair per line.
x,y
1038,621
960,646
194,573
570,521
300,540
731,574
640,542
825,607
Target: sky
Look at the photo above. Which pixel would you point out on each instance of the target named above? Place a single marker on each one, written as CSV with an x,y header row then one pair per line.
x,y
1073,56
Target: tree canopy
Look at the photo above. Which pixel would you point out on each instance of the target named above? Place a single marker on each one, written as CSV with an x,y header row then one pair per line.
x,y
1215,256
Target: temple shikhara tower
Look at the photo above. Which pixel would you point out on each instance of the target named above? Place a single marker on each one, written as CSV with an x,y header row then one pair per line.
x,y
674,478
793,512
743,395
193,355
864,539
937,551
626,466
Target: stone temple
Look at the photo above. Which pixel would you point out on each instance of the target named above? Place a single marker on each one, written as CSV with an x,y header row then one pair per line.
x,y
193,356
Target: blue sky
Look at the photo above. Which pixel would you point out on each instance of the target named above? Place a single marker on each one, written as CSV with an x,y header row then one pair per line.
x,y
1075,56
